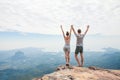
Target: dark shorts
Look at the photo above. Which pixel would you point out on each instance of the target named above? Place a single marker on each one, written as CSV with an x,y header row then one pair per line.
x,y
78,49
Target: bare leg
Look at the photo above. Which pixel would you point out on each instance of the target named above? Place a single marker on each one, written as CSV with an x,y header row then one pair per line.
x,y
82,59
67,54
68,57
65,57
78,61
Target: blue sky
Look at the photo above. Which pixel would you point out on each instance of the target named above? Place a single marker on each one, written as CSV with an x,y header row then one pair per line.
x,y
15,40
23,23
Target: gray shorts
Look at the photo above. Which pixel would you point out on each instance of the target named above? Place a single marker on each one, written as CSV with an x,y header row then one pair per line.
x,y
66,48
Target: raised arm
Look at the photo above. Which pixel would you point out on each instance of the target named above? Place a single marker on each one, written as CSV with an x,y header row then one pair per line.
x,y
86,30
62,31
70,30
73,30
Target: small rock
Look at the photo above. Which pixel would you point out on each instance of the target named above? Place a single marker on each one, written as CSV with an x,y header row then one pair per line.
x,y
63,67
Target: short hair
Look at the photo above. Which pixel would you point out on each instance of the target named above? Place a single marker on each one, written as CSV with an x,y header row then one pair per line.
x,y
67,33
79,30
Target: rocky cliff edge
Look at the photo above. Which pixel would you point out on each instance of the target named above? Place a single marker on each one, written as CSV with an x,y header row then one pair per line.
x,y
81,73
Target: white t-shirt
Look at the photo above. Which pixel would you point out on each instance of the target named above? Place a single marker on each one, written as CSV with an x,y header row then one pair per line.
x,y
79,41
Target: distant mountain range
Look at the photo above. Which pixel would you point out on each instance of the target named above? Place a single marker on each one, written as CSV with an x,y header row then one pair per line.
x,y
18,56
26,63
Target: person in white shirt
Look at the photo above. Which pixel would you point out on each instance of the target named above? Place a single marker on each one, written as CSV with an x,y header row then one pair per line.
x,y
79,45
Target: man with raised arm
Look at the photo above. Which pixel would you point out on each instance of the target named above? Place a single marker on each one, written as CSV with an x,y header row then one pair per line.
x,y
79,45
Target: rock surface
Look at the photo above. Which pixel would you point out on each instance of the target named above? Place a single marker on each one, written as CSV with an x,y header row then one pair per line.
x,y
81,73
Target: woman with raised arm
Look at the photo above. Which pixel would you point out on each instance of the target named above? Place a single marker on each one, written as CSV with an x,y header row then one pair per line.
x,y
66,48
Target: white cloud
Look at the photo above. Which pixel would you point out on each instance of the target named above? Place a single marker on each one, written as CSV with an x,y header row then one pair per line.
x,y
45,16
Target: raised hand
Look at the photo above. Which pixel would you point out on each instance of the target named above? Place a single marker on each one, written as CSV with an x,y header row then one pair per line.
x,y
86,30
62,31
61,26
71,25
88,26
